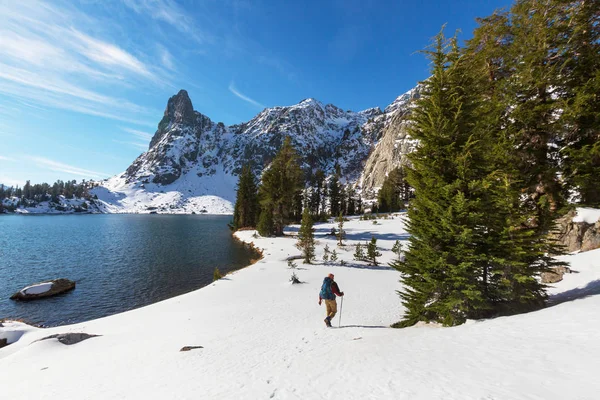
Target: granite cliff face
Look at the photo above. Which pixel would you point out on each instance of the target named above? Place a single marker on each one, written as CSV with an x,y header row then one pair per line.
x,y
393,147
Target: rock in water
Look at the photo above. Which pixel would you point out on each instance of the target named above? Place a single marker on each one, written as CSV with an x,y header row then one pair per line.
x,y
44,289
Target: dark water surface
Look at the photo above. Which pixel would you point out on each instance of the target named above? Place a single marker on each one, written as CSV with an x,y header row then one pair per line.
x,y
119,262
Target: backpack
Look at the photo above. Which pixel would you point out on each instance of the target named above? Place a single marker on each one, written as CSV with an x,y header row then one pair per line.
x,y
326,292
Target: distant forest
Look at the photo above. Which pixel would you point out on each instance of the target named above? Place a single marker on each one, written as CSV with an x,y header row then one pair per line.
x,y
32,194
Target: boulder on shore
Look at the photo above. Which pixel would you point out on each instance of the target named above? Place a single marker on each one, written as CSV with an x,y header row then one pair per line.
x,y
555,274
44,289
577,235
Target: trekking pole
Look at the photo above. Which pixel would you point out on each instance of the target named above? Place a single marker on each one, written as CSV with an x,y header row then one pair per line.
x,y
341,306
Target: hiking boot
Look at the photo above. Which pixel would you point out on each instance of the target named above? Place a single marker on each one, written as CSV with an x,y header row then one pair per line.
x,y
327,322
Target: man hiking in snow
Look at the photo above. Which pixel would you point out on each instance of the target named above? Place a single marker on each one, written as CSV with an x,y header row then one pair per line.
x,y
328,291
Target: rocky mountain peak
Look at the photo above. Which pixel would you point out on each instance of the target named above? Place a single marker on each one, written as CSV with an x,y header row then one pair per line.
x,y
311,102
180,109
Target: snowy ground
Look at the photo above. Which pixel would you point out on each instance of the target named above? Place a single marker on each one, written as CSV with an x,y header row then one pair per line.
x,y
37,289
211,194
265,338
587,215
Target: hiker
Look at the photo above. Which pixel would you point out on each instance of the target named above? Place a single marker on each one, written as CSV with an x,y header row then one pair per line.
x,y
328,291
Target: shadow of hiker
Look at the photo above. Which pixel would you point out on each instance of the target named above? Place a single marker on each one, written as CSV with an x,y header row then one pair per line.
x,y
591,289
363,326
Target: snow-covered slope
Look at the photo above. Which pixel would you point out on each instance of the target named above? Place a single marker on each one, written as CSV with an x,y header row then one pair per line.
x,y
193,162
265,338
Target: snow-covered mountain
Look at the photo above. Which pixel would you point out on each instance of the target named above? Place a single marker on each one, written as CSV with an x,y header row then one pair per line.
x,y
192,162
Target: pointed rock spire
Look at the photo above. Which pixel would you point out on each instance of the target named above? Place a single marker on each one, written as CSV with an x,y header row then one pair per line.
x,y
179,108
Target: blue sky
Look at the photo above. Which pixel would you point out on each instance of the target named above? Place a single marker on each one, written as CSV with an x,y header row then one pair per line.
x,y
83,84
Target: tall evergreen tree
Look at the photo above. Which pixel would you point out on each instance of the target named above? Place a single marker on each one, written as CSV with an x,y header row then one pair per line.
x,y
280,185
265,225
306,237
335,195
245,212
534,61
340,232
444,262
581,99
394,191
319,193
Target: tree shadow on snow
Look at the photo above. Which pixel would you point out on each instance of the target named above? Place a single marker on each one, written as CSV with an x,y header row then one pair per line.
x,y
381,267
591,289
358,236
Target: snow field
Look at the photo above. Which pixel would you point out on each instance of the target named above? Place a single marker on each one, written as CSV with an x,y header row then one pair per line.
x,y
37,289
265,338
587,215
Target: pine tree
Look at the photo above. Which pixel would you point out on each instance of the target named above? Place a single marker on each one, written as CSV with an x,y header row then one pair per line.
x,y
534,61
580,119
265,222
350,193
245,212
340,232
317,192
280,185
326,254
443,262
359,254
394,192
306,237
473,249
372,252
335,195
334,256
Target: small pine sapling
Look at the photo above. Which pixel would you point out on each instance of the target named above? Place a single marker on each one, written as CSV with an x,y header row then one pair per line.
x,y
340,234
372,252
306,237
334,256
292,264
326,254
359,254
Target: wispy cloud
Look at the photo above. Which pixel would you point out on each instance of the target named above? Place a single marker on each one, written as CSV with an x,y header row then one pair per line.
x,y
166,58
171,13
242,96
3,158
109,55
48,59
67,169
138,134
